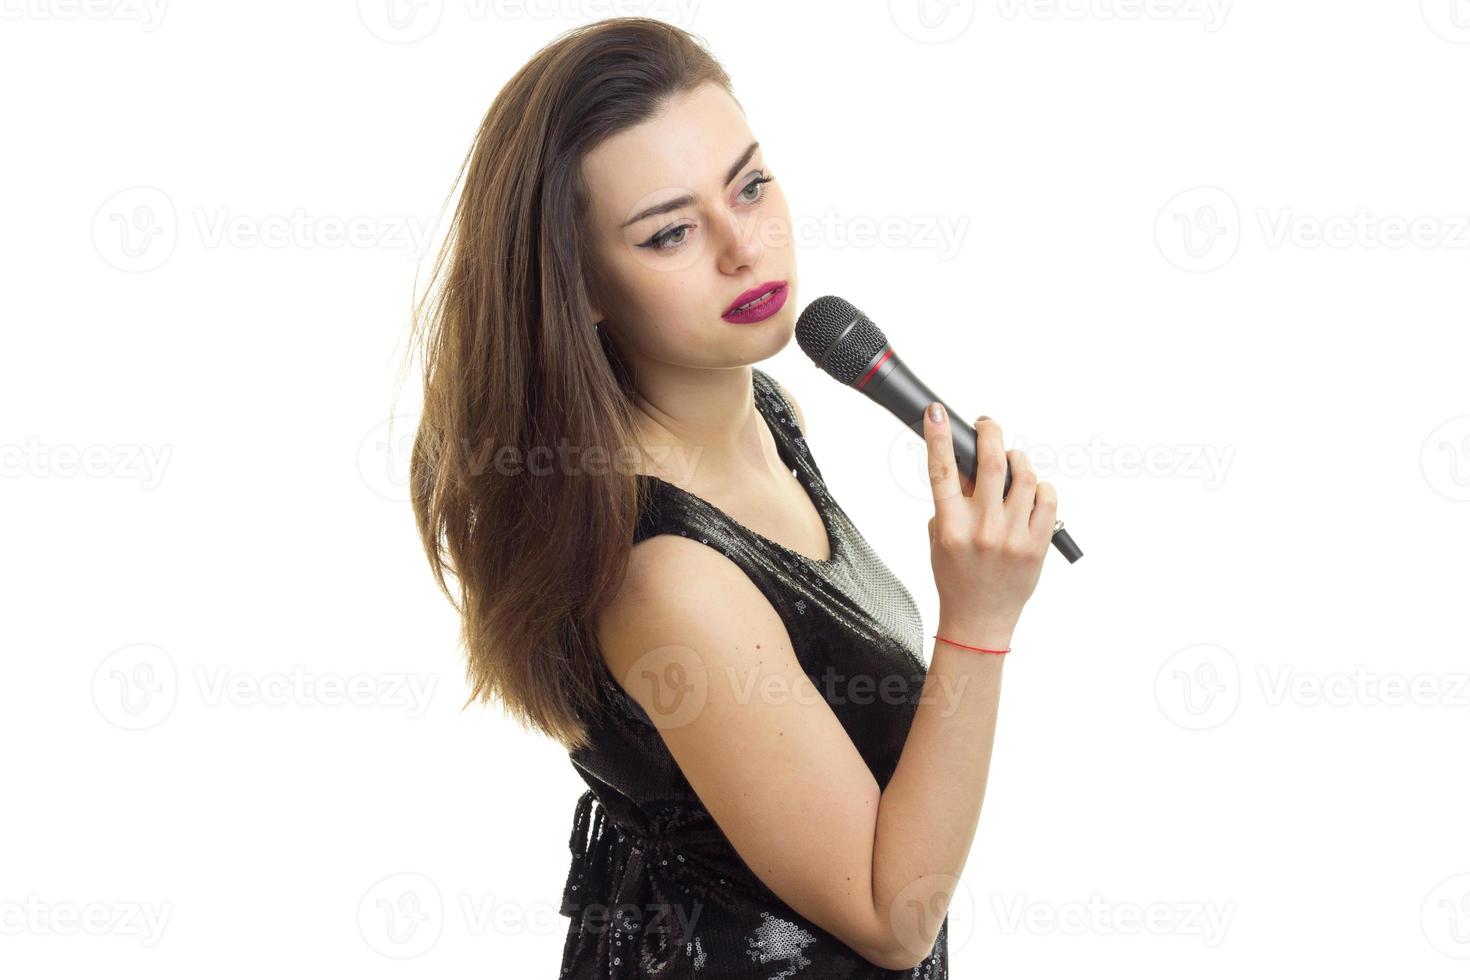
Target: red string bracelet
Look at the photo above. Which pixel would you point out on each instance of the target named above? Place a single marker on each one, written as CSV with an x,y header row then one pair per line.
x,y
967,647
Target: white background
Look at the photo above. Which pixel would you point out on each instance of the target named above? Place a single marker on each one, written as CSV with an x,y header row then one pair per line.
x,y
1207,264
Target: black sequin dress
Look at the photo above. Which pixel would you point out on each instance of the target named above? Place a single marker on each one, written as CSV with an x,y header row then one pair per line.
x,y
655,889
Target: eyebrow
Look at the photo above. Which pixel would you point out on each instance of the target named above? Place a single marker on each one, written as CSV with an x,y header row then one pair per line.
x,y
687,199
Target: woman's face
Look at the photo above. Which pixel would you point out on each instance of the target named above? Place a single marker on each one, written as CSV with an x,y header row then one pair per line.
x,y
685,220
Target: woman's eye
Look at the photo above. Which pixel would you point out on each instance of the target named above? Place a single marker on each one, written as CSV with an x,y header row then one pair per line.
x,y
674,237
756,185
668,239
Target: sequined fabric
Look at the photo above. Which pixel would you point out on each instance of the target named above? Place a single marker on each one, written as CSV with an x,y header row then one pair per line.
x,y
655,889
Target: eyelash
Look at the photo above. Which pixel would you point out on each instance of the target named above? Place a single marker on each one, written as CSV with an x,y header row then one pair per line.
x,y
657,241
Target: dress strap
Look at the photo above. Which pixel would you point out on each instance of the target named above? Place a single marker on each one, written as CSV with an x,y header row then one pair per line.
x,y
780,414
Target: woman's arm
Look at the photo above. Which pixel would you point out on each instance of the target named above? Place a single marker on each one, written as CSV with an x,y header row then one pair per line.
x,y
953,730
931,806
776,770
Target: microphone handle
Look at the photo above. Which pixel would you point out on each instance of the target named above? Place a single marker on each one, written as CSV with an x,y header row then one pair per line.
x,y
899,390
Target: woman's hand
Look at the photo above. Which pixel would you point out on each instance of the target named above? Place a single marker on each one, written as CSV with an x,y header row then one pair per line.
x,y
986,551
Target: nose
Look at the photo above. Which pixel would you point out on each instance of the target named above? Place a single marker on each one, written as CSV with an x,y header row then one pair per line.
x,y
739,247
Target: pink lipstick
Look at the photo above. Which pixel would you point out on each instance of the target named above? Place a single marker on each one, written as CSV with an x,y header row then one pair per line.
x,y
756,304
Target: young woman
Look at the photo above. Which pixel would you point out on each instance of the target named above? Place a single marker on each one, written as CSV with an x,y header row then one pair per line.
x,y
651,568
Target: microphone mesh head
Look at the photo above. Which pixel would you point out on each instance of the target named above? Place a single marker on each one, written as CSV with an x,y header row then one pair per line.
x,y
838,338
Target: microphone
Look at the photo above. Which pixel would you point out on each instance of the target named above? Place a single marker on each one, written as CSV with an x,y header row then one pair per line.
x,y
848,346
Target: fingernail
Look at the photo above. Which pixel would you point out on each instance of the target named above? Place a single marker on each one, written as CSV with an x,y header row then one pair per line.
x,y
936,412
982,418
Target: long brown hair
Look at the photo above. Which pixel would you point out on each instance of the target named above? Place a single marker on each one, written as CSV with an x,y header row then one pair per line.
x,y
514,369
